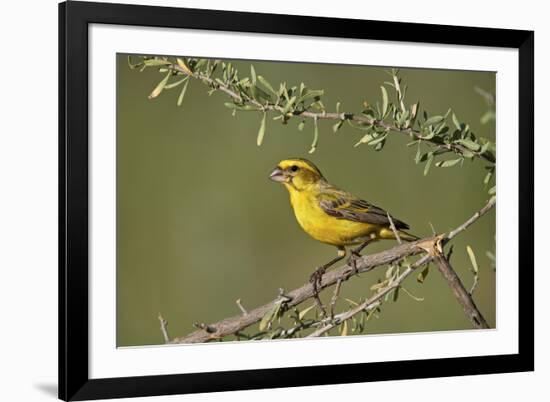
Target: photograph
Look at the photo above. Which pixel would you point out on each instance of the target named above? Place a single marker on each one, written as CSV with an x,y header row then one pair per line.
x,y
274,200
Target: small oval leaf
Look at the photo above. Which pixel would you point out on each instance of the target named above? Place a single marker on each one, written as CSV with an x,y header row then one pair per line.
x,y
472,259
183,67
160,86
261,131
448,163
385,101
434,120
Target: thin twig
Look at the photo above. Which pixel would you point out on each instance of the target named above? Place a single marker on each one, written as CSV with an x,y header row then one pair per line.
x,y
335,297
474,285
395,232
319,303
490,204
243,310
164,329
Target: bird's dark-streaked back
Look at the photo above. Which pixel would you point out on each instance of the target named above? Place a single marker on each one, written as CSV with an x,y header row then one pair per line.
x,y
341,204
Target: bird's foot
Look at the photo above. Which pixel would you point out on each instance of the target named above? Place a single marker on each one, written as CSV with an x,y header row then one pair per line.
x,y
316,278
353,258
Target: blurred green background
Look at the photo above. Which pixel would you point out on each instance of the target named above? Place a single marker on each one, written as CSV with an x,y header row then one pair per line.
x,y
199,225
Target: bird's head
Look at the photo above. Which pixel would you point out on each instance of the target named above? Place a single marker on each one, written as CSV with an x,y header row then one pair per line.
x,y
296,173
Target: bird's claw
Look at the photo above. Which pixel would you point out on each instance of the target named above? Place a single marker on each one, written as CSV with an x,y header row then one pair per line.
x,y
316,278
352,262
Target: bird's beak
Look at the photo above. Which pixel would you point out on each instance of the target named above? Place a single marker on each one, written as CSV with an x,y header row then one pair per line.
x,y
278,175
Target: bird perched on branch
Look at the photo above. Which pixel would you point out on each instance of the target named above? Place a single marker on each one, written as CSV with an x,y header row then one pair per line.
x,y
334,216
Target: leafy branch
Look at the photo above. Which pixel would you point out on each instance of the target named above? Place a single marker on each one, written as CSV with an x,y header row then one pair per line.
x,y
442,137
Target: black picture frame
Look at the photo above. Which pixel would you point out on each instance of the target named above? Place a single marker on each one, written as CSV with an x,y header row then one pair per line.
x,y
74,18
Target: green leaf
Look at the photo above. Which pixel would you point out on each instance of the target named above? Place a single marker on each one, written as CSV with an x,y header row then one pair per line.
x,y
365,139
428,163
434,120
302,88
415,298
385,101
448,163
175,84
344,328
199,64
456,122
380,145
160,86
184,67
493,190
488,177
311,94
156,62
315,136
258,92
270,316
289,105
422,275
396,294
378,140
253,74
182,93
418,156
442,128
429,136
305,311
266,84
133,66
301,125
485,147
487,117
414,110
261,131
467,154
471,145
282,90
472,259
337,126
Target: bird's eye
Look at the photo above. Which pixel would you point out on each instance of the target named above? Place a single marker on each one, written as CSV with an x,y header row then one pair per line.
x,y
294,168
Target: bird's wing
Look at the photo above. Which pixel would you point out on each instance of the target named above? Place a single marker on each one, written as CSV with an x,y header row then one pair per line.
x,y
343,205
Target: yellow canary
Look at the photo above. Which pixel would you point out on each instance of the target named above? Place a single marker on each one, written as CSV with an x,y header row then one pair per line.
x,y
331,215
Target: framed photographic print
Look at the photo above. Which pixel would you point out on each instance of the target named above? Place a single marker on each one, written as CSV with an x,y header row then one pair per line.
x,y
257,200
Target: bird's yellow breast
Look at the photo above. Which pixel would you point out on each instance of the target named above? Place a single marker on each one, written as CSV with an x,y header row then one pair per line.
x,y
325,228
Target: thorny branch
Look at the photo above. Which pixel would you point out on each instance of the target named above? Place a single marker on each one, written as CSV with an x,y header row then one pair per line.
x,y
432,247
373,301
463,297
164,329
